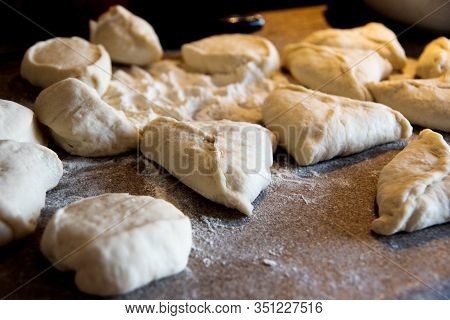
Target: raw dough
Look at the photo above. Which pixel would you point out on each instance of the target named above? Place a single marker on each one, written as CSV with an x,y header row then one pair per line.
x,y
314,126
338,71
19,123
127,38
424,102
48,62
408,71
225,53
414,188
168,89
372,36
117,242
227,162
82,123
435,59
28,171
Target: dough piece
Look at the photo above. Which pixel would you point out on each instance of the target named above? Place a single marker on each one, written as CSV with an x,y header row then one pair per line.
x,y
19,123
422,102
227,162
335,71
408,72
314,126
28,171
48,62
372,36
414,188
435,59
117,242
82,123
127,38
225,53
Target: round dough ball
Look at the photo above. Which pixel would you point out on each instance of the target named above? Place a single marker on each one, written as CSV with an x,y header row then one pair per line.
x,y
118,242
225,53
19,123
127,38
82,123
435,59
48,62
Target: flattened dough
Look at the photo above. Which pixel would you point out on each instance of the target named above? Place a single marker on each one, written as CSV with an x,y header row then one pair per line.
x,y
425,102
227,162
48,62
225,53
117,242
82,123
414,188
314,126
342,72
128,38
435,59
372,36
19,123
27,172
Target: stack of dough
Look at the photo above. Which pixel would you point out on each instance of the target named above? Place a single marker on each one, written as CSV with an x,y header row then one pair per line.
x,y
337,71
314,126
372,36
127,38
435,59
50,61
226,162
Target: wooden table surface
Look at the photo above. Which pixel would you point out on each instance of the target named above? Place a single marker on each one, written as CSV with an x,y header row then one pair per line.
x,y
309,238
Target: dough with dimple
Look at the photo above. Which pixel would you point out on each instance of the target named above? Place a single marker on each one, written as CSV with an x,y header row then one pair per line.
x,y
118,242
425,102
27,172
227,162
372,36
314,126
82,123
50,61
337,71
128,38
435,59
414,188
225,53
19,123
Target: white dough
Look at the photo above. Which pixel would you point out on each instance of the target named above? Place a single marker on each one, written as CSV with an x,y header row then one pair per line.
x,y
314,126
372,36
127,38
117,242
414,188
342,72
19,123
169,89
28,171
435,59
225,53
82,123
227,162
425,102
48,62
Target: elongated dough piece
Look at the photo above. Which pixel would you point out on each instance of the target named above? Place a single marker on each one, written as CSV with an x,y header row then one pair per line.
x,y
342,72
28,171
227,162
48,62
225,53
314,126
117,242
414,188
435,59
82,123
19,123
127,38
425,102
372,36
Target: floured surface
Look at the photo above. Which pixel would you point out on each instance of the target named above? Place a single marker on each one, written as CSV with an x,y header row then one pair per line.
x,y
309,238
